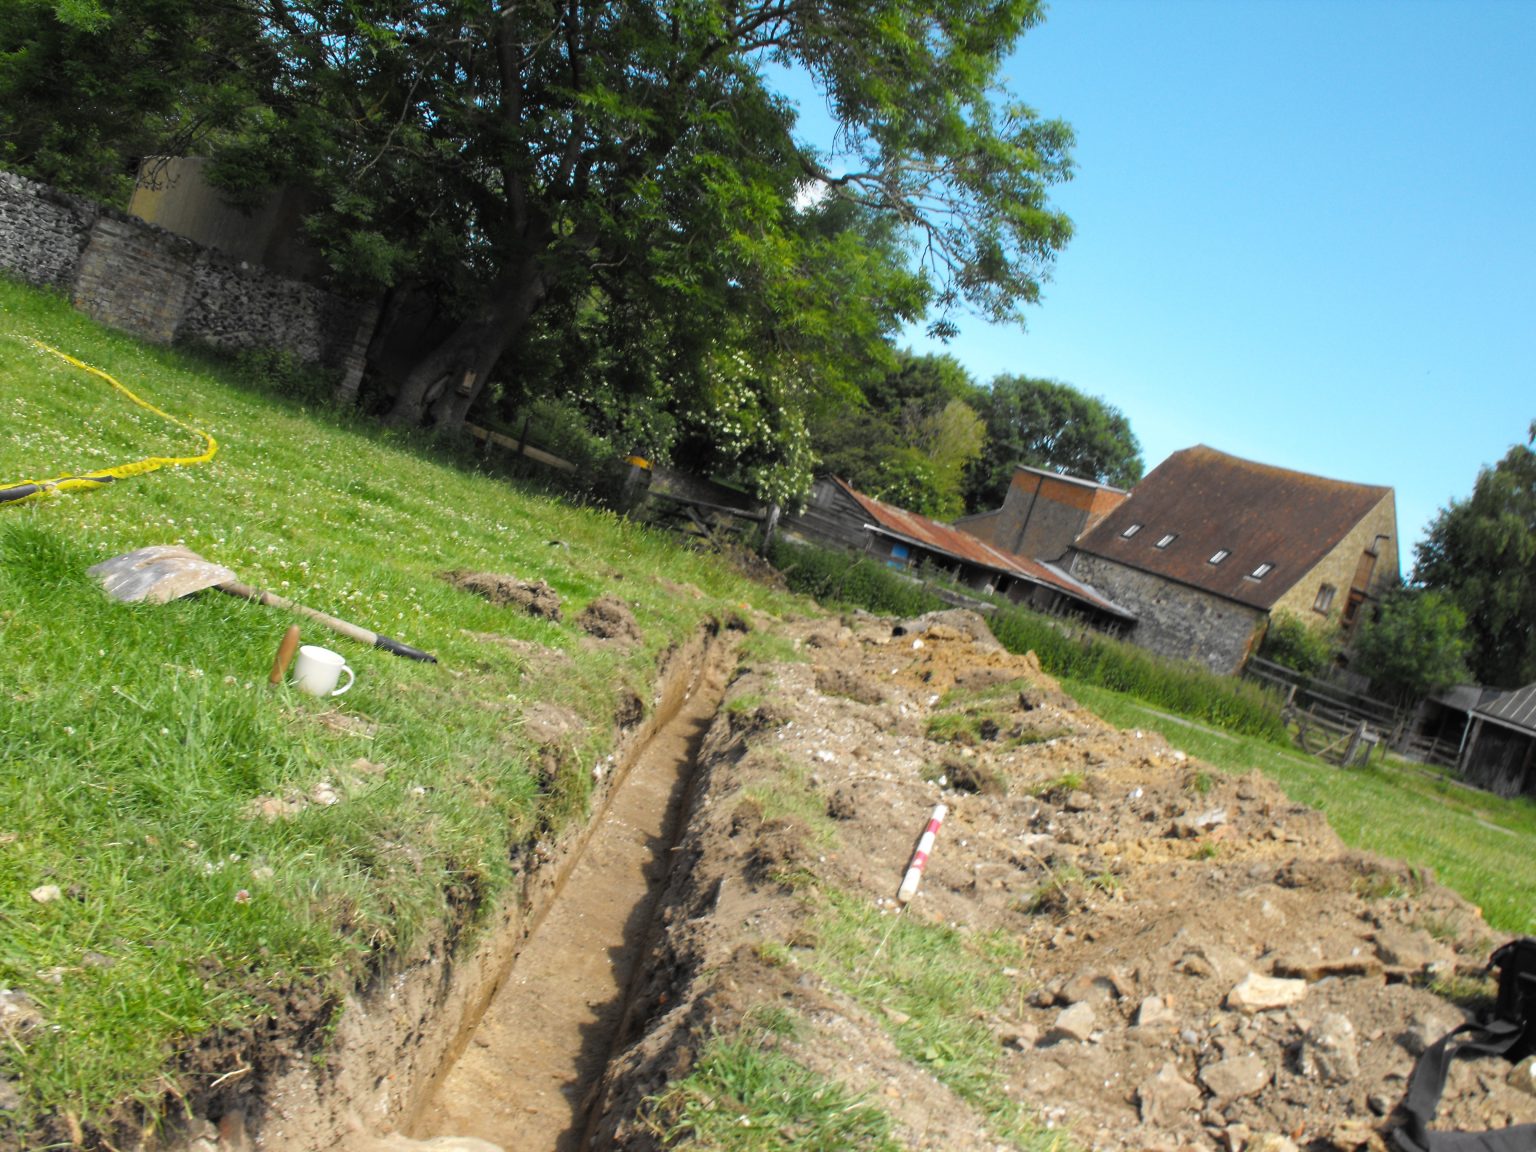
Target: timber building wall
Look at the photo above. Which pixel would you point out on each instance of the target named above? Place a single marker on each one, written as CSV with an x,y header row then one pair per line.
x,y
160,287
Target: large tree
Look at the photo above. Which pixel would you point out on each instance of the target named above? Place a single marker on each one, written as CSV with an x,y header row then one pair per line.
x,y
506,150
1481,552
1048,424
909,438
1413,644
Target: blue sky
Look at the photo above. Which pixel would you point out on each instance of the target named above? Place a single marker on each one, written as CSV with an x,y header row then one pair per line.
x,y
1305,232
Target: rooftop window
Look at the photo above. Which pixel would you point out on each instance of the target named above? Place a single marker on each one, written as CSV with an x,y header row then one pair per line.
x,y
1168,539
1261,571
1221,554
1131,531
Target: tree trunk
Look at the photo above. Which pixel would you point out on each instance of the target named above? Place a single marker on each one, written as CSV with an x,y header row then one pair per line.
x,y
464,361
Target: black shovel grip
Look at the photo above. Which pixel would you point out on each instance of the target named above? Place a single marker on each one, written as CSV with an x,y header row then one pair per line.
x,y
400,649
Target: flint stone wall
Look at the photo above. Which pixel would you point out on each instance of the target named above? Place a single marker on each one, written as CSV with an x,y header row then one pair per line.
x,y
163,288
1174,620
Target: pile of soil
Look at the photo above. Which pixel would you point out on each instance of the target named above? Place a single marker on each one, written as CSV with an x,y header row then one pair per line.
x,y
1208,966
534,597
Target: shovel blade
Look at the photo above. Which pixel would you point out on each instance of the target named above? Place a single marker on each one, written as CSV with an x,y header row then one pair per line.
x,y
157,574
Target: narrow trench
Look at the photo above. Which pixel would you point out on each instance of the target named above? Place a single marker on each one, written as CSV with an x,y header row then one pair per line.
x,y
535,1061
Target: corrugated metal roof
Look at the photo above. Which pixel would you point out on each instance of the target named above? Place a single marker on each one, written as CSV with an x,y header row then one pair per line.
x,y
1255,514
960,545
1515,708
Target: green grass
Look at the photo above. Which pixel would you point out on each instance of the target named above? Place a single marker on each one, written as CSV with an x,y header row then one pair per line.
x,y
1477,843
746,1094
141,741
1069,653
934,986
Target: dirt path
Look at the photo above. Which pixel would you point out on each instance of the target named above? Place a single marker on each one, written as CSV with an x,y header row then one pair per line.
x,y
534,1061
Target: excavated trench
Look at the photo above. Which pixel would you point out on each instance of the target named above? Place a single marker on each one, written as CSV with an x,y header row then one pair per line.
x,y
528,1070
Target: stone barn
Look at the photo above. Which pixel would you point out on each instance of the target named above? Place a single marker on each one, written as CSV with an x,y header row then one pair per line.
x,y
1208,546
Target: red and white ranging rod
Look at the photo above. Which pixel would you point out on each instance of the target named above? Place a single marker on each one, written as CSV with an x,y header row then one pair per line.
x,y
914,874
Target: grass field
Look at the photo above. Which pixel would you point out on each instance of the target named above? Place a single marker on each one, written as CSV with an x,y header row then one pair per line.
x,y
145,895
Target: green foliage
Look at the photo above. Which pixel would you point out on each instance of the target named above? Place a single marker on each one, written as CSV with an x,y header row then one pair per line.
x,y
913,438
1481,552
89,87
1047,424
1297,645
1414,644
834,577
1184,688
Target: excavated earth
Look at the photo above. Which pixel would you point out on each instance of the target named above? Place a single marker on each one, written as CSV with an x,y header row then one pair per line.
x,y
1205,964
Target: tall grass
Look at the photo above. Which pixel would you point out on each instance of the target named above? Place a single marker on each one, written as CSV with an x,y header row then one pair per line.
x,y
856,580
1184,688
196,838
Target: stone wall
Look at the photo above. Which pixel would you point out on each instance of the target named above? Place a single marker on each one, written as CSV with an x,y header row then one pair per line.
x,y
141,279
42,232
1175,620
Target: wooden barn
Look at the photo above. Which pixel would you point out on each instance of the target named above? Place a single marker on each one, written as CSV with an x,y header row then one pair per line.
x,y
1500,751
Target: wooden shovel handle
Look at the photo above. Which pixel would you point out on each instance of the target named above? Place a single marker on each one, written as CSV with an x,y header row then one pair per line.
x,y
346,628
285,652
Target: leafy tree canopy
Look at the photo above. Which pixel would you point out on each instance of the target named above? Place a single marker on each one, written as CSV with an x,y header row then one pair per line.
x,y
1291,641
1481,553
538,151
1414,644
90,87
1047,424
910,439
630,163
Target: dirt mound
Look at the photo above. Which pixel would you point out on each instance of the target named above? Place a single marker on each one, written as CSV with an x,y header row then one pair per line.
x,y
534,597
609,618
1183,958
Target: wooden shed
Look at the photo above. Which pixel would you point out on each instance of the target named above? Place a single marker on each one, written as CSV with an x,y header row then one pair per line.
x,y
1500,753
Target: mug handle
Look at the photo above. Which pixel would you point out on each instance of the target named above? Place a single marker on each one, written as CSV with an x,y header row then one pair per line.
x,y
347,669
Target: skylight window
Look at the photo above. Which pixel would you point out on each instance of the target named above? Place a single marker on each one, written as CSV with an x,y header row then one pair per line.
x,y
1168,539
1221,554
1261,571
1131,531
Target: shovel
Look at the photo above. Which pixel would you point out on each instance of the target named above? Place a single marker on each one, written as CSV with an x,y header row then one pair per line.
x,y
166,572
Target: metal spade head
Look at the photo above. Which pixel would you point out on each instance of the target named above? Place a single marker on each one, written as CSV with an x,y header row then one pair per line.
x,y
157,574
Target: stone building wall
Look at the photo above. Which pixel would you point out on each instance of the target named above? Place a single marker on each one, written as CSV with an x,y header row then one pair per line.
x,y
161,287
1175,620
1376,532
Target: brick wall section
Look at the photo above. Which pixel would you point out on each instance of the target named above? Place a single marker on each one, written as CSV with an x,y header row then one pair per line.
x,y
1175,620
1042,514
42,232
161,287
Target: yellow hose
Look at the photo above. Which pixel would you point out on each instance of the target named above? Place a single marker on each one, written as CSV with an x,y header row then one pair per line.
x,y
36,489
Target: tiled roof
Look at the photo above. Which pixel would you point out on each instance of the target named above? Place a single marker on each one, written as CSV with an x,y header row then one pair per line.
x,y
1514,709
951,541
1210,503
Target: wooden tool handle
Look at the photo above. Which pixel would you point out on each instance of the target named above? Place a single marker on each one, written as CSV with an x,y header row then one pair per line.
x,y
285,652
345,627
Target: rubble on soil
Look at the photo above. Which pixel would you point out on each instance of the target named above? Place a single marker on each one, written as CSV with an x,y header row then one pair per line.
x,y
1208,966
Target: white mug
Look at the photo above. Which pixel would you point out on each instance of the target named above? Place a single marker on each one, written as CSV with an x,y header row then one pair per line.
x,y
317,670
